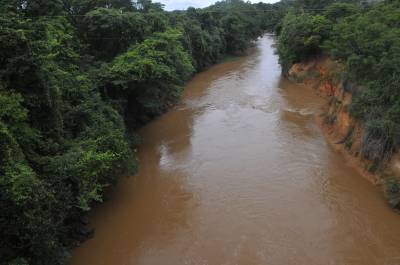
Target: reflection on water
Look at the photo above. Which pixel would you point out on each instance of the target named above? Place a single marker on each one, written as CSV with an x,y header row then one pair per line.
x,y
239,173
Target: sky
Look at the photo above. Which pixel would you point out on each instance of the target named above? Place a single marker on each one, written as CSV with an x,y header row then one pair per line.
x,y
183,4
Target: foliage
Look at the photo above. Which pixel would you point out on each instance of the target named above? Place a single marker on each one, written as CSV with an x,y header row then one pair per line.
x,y
392,192
337,11
110,32
301,37
60,143
314,6
150,75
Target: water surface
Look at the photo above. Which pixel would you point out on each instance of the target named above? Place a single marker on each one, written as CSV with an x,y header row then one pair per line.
x,y
240,174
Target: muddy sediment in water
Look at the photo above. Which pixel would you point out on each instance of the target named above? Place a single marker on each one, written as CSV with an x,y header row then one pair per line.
x,y
239,173
345,134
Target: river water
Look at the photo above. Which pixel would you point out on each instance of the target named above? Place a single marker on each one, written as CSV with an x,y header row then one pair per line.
x,y
239,173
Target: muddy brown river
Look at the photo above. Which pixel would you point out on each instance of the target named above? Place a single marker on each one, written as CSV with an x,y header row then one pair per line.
x,y
239,173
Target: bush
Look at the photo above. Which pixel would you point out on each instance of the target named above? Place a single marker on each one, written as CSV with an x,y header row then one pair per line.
x,y
392,192
301,37
150,75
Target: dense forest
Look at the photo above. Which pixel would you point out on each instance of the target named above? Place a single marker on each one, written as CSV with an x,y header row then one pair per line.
x,y
363,36
77,77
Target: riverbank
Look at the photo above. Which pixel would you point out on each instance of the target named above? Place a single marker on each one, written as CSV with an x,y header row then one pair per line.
x,y
345,134
242,145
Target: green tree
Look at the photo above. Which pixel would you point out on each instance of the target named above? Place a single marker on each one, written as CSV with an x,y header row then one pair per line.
x,y
150,75
337,11
148,5
301,37
110,31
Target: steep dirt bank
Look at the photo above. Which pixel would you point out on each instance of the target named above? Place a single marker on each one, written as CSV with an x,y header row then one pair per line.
x,y
343,132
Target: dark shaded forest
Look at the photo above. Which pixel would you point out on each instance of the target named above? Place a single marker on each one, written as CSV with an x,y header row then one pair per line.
x,y
76,79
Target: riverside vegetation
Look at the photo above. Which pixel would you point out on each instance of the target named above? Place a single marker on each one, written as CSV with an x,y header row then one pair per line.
x,y
76,79
364,37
